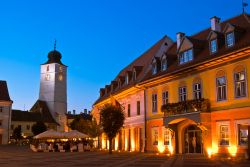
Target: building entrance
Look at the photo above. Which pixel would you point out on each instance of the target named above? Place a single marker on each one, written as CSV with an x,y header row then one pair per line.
x,y
193,139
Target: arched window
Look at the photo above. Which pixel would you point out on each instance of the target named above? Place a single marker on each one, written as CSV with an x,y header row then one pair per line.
x,y
164,64
154,66
134,74
127,79
221,86
48,68
240,82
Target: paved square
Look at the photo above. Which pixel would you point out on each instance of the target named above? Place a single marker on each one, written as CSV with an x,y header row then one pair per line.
x,y
16,156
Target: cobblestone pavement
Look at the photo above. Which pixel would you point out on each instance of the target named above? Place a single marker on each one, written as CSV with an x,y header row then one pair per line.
x,y
14,156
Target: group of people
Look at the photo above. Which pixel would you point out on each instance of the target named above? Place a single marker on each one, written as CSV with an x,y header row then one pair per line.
x,y
61,147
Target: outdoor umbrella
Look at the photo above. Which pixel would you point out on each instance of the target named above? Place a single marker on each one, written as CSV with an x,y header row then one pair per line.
x,y
49,134
74,134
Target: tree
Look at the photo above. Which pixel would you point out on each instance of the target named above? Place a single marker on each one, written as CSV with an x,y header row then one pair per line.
x,y
112,120
38,128
86,126
17,133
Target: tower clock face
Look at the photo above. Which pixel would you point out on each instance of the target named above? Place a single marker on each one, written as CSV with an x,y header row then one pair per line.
x,y
47,77
60,77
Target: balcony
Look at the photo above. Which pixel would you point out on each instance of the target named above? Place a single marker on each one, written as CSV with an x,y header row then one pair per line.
x,y
189,109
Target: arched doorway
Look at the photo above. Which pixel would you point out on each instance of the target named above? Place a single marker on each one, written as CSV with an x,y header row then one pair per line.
x,y
193,139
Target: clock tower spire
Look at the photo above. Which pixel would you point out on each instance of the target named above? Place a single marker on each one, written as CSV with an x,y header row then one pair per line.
x,y
53,87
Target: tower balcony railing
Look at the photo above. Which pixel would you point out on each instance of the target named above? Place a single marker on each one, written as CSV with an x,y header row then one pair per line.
x,y
188,106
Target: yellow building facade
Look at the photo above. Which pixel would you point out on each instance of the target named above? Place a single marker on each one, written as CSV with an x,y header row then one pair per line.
x,y
196,92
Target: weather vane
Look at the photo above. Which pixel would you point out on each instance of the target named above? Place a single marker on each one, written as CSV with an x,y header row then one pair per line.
x,y
55,45
244,5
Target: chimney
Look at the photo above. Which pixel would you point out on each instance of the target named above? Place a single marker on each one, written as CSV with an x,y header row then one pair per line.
x,y
74,112
179,37
215,24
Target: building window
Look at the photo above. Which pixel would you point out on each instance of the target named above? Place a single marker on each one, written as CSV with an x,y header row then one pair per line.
x,y
28,127
183,93
127,79
230,39
134,75
165,97
221,88
138,108
128,110
243,134
213,46
155,136
154,102
186,56
154,68
240,84
47,68
224,135
166,137
1,109
164,64
197,91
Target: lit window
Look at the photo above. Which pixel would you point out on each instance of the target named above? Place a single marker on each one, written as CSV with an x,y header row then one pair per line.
x,y
186,56
165,97
221,88
197,91
183,93
166,137
155,136
154,102
47,77
213,46
230,39
240,84
164,64
243,134
138,108
224,135
154,68
128,110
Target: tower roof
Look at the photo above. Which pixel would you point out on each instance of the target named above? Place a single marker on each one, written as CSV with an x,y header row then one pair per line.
x,y
54,57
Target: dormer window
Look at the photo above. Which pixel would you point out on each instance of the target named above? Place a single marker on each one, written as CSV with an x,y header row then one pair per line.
x,y
164,64
213,46
134,75
127,79
154,68
186,56
230,39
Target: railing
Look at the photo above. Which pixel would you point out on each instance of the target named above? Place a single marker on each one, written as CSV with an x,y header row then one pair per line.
x,y
188,106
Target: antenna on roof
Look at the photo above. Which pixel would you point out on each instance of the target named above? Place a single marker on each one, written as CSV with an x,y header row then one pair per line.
x,y
244,5
55,45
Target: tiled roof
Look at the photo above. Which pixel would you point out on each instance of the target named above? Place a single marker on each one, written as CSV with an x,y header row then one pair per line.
x,y
141,64
241,21
4,93
39,112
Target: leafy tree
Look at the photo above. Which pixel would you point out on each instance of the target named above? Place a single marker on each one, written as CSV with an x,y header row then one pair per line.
x,y
85,126
17,133
38,128
112,120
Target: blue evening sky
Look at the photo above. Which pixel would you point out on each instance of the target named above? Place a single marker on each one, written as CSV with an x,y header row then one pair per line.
x,y
97,38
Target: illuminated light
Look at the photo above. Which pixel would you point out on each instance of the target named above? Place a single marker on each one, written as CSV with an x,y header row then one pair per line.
x,y
171,149
161,148
232,150
209,152
215,149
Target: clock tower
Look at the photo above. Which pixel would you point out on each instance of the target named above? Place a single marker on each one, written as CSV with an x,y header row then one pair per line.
x,y
53,88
